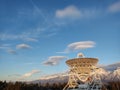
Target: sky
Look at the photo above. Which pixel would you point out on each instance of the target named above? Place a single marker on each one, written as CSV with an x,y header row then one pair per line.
x,y
37,37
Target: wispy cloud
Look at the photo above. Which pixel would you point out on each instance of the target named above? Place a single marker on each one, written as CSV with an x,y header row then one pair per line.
x,y
115,7
23,46
53,60
16,75
38,11
24,36
29,74
78,46
11,51
4,46
5,36
44,23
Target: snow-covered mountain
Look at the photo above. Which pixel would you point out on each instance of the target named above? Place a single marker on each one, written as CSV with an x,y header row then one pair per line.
x,y
111,67
112,72
55,78
106,73
115,75
102,73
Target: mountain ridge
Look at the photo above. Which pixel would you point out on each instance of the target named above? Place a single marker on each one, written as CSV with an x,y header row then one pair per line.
x,y
106,73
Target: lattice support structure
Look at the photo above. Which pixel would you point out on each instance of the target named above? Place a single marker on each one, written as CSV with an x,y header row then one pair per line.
x,y
72,81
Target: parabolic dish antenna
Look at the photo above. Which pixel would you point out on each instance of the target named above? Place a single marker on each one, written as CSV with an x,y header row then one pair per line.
x,y
81,72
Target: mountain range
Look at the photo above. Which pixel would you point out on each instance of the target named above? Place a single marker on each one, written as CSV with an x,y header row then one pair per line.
x,y
106,73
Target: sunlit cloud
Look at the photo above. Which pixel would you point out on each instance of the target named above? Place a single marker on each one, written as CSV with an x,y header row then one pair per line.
x,y
53,60
29,74
115,7
23,46
78,46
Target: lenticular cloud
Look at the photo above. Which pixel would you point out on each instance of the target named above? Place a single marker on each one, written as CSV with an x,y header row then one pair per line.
x,y
80,45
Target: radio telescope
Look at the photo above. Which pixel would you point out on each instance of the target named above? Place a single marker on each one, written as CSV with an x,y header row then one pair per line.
x,y
82,74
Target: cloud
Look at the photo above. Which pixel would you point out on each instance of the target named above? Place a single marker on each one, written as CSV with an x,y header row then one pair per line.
x,y
45,25
23,46
29,74
33,34
115,7
70,11
5,36
53,60
78,46
12,51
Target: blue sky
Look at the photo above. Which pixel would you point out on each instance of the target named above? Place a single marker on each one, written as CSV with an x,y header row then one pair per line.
x,y
38,36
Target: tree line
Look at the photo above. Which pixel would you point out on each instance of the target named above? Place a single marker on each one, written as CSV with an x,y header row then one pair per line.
x,y
25,86
55,86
